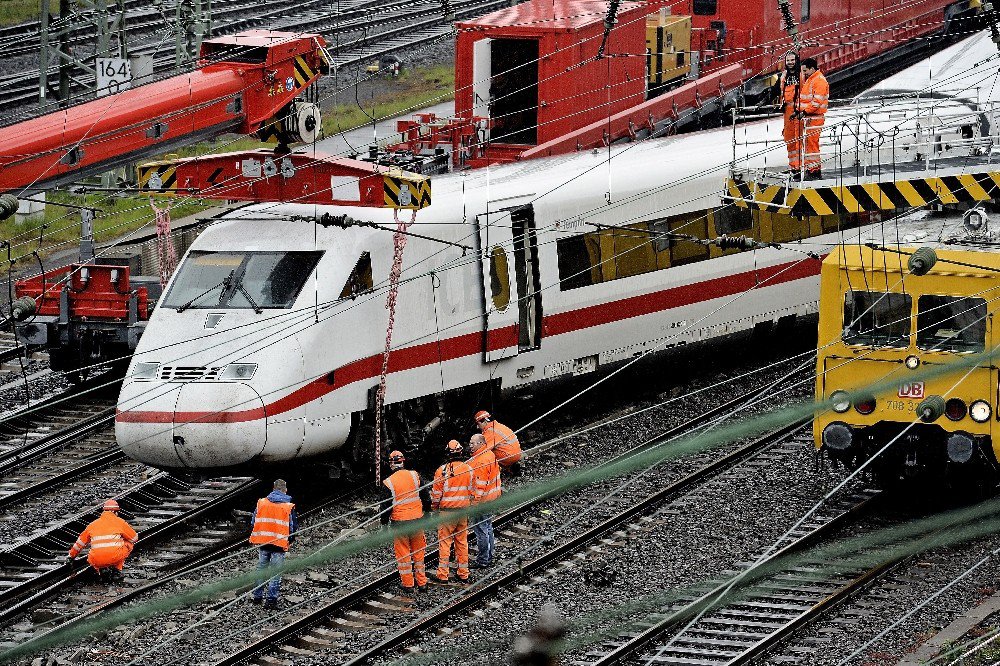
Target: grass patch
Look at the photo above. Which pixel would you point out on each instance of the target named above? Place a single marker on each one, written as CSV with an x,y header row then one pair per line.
x,y
115,217
413,90
13,12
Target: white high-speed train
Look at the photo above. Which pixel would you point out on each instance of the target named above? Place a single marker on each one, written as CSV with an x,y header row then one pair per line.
x,y
267,345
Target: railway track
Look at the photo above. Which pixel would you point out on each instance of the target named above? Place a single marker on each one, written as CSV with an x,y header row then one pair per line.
x,y
35,570
384,28
329,631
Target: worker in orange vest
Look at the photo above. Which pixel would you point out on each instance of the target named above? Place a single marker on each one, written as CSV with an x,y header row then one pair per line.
x,y
788,89
814,99
402,501
452,491
274,525
486,489
111,541
502,441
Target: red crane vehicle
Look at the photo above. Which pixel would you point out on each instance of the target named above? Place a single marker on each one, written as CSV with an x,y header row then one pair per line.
x,y
529,81
248,83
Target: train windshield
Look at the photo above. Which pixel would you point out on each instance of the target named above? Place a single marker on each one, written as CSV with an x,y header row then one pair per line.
x,y
240,280
877,318
951,323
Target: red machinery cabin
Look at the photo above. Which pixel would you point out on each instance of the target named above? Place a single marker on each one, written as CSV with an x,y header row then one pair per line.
x,y
536,62
241,83
837,34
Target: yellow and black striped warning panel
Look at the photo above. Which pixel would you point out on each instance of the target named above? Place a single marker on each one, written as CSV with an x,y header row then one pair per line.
x,y
403,189
158,177
303,72
822,199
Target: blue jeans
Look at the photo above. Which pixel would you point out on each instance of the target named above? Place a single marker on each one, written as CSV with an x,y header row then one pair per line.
x,y
268,559
483,530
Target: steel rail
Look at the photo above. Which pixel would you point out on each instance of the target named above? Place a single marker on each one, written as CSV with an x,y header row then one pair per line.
x,y
304,622
57,578
91,464
526,569
717,598
16,458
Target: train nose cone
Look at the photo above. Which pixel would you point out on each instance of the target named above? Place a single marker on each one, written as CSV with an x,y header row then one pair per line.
x,y
201,425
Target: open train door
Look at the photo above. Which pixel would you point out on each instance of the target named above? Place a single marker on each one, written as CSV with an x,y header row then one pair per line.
x,y
499,286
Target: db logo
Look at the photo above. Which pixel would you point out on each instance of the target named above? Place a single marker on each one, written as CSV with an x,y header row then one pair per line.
x,y
911,390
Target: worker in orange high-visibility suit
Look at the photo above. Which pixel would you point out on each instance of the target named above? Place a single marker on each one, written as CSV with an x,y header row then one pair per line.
x,y
486,488
274,524
788,90
452,491
402,501
502,441
814,99
111,541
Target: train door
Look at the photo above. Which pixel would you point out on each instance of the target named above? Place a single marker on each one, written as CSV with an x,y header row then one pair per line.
x,y
499,288
514,91
529,306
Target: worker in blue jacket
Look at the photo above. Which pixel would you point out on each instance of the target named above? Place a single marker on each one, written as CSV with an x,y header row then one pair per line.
x,y
274,523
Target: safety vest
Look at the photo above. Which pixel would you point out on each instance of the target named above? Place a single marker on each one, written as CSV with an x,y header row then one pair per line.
x,y
452,486
502,441
272,523
110,538
486,473
814,98
405,488
788,90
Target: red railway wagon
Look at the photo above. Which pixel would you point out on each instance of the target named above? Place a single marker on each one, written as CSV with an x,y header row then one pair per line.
x,y
527,79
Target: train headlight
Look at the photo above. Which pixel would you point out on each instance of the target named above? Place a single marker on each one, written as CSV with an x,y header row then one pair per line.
x,y
145,370
837,437
840,401
241,371
960,447
955,409
980,411
912,362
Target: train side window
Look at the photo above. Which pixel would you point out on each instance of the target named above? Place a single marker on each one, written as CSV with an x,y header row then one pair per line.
x,y
877,318
732,219
579,261
706,7
360,280
688,250
634,253
951,323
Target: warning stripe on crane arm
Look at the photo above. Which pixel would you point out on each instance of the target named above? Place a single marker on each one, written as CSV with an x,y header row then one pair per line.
x,y
867,197
157,177
303,72
406,190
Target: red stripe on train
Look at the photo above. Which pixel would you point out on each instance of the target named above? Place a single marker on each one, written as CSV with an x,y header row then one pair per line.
x,y
469,344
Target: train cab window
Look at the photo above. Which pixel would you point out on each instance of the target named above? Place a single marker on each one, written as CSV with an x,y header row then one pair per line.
x,y
706,7
251,55
240,280
951,323
877,318
360,280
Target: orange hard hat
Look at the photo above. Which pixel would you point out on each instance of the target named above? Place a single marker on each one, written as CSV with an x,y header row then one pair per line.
x,y
454,449
481,415
111,505
396,459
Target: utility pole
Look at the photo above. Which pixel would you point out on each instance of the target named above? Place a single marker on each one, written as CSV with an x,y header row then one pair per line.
x,y
101,22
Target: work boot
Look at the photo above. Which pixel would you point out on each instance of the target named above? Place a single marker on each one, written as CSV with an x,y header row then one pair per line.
x,y
256,601
814,175
270,604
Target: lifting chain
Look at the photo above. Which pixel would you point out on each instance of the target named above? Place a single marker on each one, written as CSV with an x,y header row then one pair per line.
x,y
398,244
165,254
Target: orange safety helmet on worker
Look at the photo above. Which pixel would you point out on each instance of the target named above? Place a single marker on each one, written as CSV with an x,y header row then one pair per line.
x,y
788,89
111,539
402,501
452,491
814,100
500,439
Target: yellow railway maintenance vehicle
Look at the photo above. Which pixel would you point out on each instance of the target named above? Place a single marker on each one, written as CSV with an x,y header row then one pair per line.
x,y
905,368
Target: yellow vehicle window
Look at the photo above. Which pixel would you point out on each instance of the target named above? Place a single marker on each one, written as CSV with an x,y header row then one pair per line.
x,y
877,318
951,323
